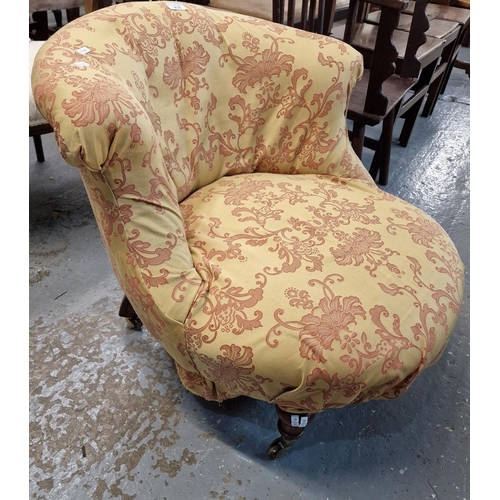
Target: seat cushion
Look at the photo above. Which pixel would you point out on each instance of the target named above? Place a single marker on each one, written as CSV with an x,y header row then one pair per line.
x,y
316,292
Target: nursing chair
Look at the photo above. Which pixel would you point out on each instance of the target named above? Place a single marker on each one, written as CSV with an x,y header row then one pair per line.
x,y
246,235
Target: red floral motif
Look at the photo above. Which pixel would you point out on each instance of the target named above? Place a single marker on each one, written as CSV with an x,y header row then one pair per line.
x,y
252,43
251,117
182,71
363,245
322,328
95,101
423,230
249,188
333,388
194,382
106,213
293,245
232,370
267,64
224,304
334,212
198,21
298,298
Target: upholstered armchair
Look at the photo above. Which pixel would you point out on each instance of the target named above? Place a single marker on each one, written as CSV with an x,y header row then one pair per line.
x,y
247,237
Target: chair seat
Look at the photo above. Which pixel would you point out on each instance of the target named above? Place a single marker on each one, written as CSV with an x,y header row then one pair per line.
x,y
438,28
343,299
365,36
450,13
395,88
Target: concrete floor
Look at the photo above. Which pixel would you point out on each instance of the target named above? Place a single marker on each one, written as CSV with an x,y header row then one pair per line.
x,y
109,418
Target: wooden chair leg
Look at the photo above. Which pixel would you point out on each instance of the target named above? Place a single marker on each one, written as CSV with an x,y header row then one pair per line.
x,y
382,158
410,117
37,139
357,137
58,17
127,311
72,14
438,86
41,21
291,427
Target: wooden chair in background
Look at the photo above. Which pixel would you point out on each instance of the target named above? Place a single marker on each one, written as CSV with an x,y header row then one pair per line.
x,y
449,21
39,14
307,12
457,11
433,76
399,67
309,15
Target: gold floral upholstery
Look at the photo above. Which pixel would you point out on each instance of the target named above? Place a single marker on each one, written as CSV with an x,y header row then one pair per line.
x,y
247,235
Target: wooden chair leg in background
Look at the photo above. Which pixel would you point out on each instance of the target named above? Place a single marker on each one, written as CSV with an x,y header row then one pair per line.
x,y
37,140
291,427
357,137
409,112
382,157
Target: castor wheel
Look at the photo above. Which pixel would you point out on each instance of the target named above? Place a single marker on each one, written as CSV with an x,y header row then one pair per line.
x,y
127,311
134,322
278,448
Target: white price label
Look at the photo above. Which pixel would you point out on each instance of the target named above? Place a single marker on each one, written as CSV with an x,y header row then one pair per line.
x,y
298,421
176,6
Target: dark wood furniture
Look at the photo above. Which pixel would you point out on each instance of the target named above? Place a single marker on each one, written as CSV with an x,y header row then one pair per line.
x,y
316,16
36,132
398,69
40,28
449,21
307,10
457,11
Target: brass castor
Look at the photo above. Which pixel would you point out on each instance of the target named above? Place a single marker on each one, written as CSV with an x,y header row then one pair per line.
x,y
291,427
127,311
278,448
134,322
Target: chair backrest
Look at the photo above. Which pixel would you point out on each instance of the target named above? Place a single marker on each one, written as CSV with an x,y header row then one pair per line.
x,y
315,15
246,107
361,15
93,5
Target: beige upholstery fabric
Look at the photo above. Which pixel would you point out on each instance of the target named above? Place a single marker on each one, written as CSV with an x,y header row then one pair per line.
x,y
35,117
249,238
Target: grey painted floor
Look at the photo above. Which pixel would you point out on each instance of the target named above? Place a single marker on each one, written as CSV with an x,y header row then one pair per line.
x,y
109,418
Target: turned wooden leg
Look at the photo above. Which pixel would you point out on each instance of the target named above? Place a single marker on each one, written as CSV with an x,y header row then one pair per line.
x,y
127,311
37,140
291,427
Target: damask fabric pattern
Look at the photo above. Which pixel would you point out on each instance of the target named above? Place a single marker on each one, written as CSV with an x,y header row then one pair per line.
x,y
249,238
